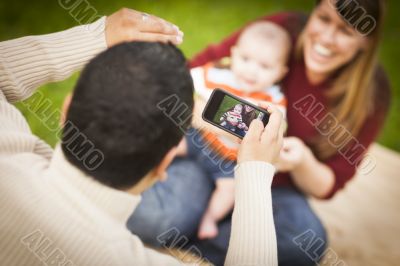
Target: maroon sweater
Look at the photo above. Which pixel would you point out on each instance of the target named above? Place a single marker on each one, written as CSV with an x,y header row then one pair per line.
x,y
297,87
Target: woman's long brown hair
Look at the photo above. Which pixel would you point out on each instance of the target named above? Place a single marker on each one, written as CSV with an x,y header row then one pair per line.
x,y
351,95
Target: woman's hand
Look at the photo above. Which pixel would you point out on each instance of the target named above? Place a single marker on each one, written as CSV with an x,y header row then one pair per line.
x,y
131,25
263,144
291,155
310,175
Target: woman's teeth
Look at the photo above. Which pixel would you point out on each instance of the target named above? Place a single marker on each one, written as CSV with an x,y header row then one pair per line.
x,y
323,51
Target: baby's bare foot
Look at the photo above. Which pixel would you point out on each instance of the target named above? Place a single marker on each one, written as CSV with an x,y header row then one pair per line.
x,y
208,228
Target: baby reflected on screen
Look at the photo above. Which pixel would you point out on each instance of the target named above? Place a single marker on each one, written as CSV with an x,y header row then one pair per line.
x,y
232,119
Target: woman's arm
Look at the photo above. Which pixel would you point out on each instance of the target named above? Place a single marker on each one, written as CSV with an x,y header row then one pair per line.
x,y
253,239
322,179
310,175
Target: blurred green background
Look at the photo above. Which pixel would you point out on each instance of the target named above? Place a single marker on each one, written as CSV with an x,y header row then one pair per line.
x,y
203,21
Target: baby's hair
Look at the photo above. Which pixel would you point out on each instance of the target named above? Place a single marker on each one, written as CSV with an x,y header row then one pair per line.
x,y
268,31
233,107
238,104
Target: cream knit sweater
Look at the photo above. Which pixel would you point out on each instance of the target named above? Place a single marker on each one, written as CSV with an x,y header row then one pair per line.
x,y
52,214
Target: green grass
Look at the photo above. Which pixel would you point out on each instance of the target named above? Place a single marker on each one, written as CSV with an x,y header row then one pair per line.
x,y
226,104
203,21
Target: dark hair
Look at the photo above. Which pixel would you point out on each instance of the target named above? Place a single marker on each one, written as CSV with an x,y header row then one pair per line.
x,y
115,111
247,117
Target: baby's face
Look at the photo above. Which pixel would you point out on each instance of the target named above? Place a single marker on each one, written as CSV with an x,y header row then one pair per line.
x,y
257,64
238,108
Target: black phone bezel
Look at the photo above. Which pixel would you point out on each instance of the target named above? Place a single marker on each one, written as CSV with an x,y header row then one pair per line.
x,y
215,101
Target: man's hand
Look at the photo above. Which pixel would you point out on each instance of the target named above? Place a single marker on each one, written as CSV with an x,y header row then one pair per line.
x,y
130,25
263,144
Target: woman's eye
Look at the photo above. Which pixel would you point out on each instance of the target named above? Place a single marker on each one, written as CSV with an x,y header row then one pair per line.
x,y
346,31
323,18
245,58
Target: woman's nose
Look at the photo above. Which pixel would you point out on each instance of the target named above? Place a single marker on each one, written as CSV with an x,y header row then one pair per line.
x,y
328,35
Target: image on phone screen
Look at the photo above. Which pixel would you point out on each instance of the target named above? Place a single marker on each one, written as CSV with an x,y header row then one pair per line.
x,y
231,113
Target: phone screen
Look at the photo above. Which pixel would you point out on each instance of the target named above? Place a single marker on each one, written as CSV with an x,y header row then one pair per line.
x,y
231,113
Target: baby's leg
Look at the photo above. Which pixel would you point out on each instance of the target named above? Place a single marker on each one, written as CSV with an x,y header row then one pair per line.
x,y
221,203
182,148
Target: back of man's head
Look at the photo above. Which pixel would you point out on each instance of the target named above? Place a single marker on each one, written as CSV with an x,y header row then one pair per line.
x,y
114,112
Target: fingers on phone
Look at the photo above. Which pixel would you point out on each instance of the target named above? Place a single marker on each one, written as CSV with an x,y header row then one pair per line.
x,y
273,130
255,130
263,104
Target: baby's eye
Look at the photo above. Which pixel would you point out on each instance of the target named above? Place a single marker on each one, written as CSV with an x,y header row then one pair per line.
x,y
245,58
265,66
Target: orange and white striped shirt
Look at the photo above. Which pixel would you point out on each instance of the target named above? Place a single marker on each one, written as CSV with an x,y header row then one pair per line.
x,y
209,77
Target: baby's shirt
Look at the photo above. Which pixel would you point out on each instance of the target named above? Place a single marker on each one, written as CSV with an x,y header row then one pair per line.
x,y
232,117
211,76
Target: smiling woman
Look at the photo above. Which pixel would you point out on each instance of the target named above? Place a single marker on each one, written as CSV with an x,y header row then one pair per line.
x,y
330,42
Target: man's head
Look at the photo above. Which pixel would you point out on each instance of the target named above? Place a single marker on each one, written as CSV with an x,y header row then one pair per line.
x,y
114,110
260,56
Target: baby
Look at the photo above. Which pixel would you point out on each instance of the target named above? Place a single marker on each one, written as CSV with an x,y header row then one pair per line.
x,y
257,64
232,119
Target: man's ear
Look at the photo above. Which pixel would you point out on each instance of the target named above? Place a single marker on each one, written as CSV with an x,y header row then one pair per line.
x,y
161,170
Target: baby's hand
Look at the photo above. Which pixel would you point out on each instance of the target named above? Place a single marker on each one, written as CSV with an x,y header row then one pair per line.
x,y
243,126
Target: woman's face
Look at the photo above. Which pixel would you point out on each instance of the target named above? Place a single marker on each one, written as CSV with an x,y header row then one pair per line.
x,y
330,42
248,108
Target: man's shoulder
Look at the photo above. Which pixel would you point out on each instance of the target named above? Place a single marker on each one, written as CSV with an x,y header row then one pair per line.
x,y
38,208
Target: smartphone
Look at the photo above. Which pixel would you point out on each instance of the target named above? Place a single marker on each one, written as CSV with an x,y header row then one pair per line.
x,y
231,113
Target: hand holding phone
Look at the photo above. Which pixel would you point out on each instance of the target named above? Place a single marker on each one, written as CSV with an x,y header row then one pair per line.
x,y
231,113
263,143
